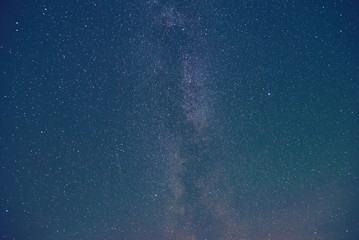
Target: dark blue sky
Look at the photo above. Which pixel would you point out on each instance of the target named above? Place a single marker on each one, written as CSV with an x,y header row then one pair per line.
x,y
179,120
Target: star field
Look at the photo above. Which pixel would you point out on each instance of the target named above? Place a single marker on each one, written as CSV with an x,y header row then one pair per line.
x,y
166,119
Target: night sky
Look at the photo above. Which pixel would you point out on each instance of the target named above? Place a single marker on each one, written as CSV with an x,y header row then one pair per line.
x,y
179,119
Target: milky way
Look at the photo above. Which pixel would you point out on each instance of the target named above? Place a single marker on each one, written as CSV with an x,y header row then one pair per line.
x,y
179,119
184,120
